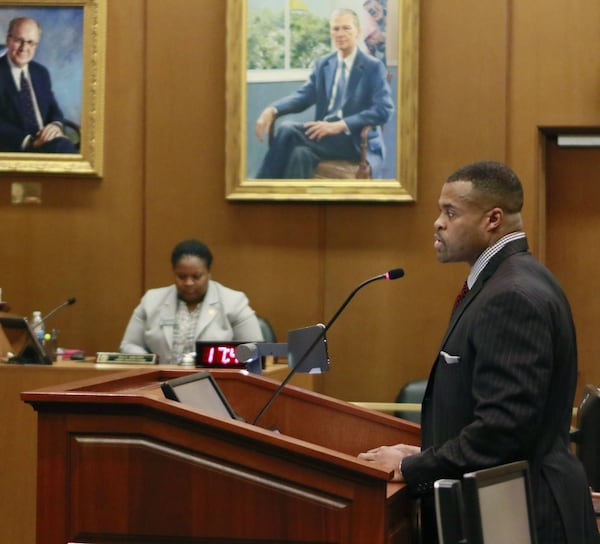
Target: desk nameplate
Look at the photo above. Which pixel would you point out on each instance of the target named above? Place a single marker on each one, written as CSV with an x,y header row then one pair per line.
x,y
120,358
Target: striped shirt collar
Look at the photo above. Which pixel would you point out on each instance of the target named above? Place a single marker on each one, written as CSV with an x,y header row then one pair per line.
x,y
487,255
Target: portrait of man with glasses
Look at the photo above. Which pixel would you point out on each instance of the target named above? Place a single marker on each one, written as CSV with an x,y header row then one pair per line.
x,y
30,117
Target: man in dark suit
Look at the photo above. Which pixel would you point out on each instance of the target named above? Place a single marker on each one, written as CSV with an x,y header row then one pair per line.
x,y
503,384
30,118
349,90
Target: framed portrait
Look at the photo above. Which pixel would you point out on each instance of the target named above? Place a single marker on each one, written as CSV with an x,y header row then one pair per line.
x,y
52,86
288,138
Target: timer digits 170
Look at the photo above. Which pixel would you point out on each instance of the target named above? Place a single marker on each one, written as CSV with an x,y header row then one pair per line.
x,y
217,355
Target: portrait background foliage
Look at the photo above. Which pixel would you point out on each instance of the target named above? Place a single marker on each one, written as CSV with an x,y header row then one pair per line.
x,y
264,64
72,48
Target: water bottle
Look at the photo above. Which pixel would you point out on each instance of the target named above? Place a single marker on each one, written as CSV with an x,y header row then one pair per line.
x,y
37,325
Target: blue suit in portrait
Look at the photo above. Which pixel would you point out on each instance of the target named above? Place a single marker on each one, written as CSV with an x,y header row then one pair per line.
x,y
12,127
368,101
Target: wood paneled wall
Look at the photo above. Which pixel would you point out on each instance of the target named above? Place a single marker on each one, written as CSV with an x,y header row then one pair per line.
x,y
491,73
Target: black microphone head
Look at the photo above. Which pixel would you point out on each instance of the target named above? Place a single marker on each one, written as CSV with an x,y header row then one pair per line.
x,y
394,274
71,300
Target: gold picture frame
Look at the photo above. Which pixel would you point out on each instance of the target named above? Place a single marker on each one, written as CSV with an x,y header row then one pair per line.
x,y
72,49
400,186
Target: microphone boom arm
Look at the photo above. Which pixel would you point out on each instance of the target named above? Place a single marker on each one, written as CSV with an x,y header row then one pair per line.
x,y
67,302
391,275
348,299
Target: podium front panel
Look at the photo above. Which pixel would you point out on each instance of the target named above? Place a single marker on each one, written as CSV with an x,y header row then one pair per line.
x,y
119,463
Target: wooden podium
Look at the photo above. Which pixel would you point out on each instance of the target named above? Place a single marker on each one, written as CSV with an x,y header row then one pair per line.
x,y
118,463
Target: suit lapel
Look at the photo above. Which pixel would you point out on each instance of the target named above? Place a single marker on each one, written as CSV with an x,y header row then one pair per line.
x,y
355,74
329,71
41,92
209,309
168,316
509,249
10,86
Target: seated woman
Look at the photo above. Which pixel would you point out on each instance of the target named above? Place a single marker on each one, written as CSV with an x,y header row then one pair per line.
x,y
169,320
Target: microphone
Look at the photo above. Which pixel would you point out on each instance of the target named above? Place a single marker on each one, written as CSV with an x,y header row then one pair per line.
x,y
252,351
393,274
67,302
246,352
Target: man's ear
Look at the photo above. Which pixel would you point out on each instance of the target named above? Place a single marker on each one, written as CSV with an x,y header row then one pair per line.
x,y
495,217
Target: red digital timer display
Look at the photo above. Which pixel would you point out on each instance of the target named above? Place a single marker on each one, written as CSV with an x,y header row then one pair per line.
x,y
217,354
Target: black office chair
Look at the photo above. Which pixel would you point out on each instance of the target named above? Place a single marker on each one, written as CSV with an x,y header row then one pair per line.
x,y
586,435
267,330
412,392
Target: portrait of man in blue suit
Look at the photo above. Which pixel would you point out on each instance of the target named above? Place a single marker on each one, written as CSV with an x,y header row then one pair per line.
x,y
349,90
30,117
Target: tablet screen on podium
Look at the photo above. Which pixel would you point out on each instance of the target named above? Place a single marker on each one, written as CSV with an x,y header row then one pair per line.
x,y
200,391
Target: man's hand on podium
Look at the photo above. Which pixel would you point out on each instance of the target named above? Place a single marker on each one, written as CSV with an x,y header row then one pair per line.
x,y
390,457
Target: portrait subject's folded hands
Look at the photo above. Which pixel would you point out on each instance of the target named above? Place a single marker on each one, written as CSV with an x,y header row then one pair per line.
x,y
315,130
49,132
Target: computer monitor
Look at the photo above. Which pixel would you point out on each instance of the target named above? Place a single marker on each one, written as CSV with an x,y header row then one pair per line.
x,y
18,342
498,505
489,506
587,435
199,390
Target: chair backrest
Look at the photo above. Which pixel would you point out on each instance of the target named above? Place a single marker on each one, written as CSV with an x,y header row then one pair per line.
x,y
267,330
72,132
587,435
412,392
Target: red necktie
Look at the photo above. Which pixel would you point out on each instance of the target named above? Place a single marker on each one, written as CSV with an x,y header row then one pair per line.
x,y
461,295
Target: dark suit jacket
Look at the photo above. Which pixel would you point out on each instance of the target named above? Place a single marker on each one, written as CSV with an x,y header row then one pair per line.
x,y
502,389
12,131
368,99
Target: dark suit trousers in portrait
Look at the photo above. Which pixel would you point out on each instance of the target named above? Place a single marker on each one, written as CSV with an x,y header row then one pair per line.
x,y
58,145
292,155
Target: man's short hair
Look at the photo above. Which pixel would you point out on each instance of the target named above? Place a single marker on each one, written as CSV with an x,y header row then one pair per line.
x,y
18,20
347,11
497,184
